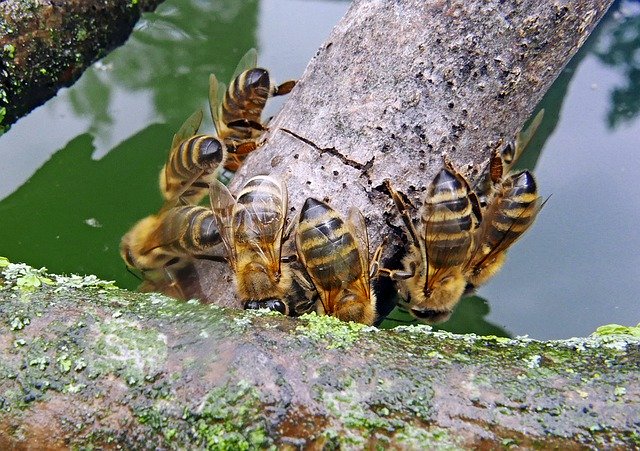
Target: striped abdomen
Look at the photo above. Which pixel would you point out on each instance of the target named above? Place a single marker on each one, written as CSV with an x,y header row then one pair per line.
x,y
189,230
262,217
515,210
327,247
448,220
245,99
193,161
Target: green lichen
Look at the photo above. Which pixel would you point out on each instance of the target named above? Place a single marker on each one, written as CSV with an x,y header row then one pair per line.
x,y
9,50
125,348
616,329
337,334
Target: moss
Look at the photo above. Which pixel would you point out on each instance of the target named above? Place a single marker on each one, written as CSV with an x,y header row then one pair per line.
x,y
616,329
330,330
124,348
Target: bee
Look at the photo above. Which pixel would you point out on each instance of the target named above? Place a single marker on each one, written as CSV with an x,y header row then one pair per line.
x,y
335,254
509,215
432,281
192,163
174,236
511,205
237,111
251,229
503,158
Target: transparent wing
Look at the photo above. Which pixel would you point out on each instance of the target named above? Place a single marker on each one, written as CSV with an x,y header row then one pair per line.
x,y
214,102
188,129
524,136
248,61
358,227
263,221
223,204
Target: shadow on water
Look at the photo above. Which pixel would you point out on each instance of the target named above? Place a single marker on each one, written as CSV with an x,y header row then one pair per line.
x,y
468,317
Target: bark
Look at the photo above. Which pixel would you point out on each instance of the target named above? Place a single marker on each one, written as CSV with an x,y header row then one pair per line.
x,y
46,45
83,365
397,86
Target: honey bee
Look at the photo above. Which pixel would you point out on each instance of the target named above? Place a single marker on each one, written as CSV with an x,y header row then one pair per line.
x,y
251,229
511,206
237,111
503,159
335,254
509,215
192,163
432,281
172,237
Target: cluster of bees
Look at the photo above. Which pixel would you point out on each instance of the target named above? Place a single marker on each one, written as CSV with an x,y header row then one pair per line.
x,y
320,261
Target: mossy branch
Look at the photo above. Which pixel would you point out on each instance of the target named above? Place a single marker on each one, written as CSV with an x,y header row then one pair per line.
x,y
46,45
84,364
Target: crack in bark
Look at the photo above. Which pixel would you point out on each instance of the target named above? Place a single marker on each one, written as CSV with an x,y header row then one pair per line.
x,y
363,168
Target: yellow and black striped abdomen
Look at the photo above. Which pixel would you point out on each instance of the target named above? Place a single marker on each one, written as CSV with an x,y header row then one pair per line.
x,y
327,246
189,230
516,211
448,220
246,97
189,162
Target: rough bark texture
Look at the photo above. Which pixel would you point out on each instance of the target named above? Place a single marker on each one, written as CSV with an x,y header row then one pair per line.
x,y
46,45
397,86
102,367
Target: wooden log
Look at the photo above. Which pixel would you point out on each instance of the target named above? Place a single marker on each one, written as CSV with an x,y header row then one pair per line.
x,y
85,365
46,45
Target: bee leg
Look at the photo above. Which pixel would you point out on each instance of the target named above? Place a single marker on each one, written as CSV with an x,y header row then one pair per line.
x,y
245,123
374,267
284,88
402,209
398,274
243,148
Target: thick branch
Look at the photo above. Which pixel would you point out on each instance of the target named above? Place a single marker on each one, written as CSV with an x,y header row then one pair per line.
x,y
104,368
399,85
46,45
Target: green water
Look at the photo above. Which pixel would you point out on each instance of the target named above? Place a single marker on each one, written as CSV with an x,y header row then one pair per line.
x,y
76,173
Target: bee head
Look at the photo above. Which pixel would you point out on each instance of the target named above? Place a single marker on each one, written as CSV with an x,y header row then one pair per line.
x,y
431,316
270,303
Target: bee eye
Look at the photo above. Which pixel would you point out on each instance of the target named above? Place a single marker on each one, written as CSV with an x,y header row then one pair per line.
x,y
271,304
432,316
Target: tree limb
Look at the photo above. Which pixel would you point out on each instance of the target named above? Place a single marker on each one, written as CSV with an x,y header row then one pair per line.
x,y
83,364
399,85
46,45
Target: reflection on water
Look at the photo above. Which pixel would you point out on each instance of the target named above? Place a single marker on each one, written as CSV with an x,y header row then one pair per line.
x,y
620,48
91,157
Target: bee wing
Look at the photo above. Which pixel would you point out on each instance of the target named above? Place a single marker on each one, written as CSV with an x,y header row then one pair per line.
x,y
358,228
216,94
248,61
265,237
512,153
188,129
223,205
356,223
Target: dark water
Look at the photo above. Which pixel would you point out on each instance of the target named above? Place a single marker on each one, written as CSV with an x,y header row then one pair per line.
x,y
78,172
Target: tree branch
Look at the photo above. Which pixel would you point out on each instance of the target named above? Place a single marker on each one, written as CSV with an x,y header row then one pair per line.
x,y
84,365
399,85
46,45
